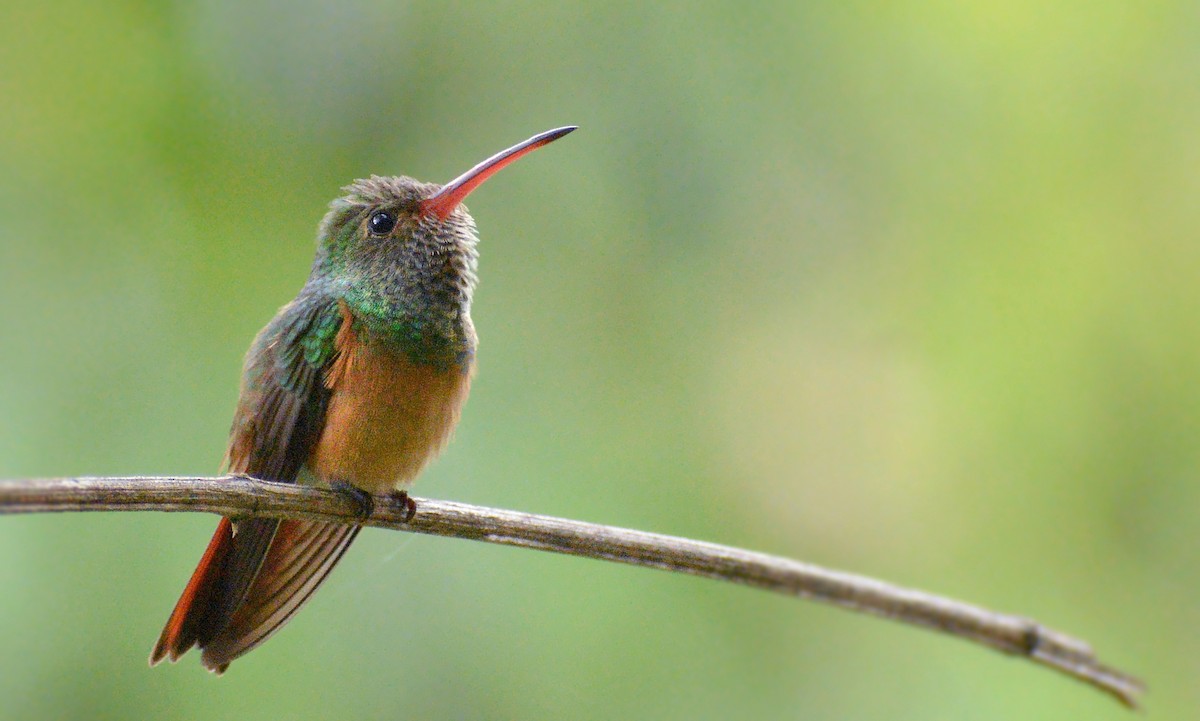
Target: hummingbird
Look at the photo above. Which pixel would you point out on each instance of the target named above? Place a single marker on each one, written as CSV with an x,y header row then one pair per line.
x,y
355,385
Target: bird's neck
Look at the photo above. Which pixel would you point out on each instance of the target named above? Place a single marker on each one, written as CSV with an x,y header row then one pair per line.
x,y
430,326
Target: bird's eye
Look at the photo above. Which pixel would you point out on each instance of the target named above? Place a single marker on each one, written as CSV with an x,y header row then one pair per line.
x,y
381,222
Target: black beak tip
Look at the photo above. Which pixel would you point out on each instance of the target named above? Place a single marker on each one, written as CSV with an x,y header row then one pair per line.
x,y
557,133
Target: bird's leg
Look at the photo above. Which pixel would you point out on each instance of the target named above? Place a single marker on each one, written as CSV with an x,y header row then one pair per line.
x,y
364,502
410,506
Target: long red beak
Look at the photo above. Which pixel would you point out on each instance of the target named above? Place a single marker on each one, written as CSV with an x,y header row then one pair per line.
x,y
442,203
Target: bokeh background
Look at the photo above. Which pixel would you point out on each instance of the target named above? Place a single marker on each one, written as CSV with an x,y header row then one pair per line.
x,y
908,289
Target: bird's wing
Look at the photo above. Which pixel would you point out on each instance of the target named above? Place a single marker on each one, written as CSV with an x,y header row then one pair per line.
x,y
258,572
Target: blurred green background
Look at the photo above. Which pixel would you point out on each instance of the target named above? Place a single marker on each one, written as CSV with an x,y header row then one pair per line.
x,y
904,288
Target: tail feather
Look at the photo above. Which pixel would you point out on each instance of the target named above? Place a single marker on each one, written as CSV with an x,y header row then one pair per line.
x,y
183,627
251,540
299,560
252,579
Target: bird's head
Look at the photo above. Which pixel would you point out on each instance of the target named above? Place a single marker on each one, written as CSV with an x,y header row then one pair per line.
x,y
401,253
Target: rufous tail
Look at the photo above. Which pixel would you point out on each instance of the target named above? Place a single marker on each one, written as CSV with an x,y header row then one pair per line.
x,y
253,577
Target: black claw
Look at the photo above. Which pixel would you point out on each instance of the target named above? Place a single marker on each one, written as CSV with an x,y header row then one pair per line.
x,y
410,506
364,502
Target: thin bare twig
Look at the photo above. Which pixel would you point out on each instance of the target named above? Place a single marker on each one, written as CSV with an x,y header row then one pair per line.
x,y
245,497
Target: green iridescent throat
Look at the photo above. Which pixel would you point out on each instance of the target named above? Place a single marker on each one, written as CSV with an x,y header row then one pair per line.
x,y
429,333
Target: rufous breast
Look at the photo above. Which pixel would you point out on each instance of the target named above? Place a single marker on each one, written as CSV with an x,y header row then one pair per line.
x,y
388,416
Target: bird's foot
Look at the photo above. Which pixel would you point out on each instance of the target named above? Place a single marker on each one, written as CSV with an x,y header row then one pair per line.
x,y
402,498
364,503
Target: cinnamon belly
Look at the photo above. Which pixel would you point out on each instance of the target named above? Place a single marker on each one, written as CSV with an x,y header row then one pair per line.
x,y
387,416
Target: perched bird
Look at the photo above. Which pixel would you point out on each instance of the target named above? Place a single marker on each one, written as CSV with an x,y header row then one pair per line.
x,y
355,385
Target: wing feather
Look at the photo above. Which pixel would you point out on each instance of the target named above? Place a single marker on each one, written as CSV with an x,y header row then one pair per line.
x,y
258,572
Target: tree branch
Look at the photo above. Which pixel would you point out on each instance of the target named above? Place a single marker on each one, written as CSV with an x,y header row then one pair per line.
x,y
245,497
